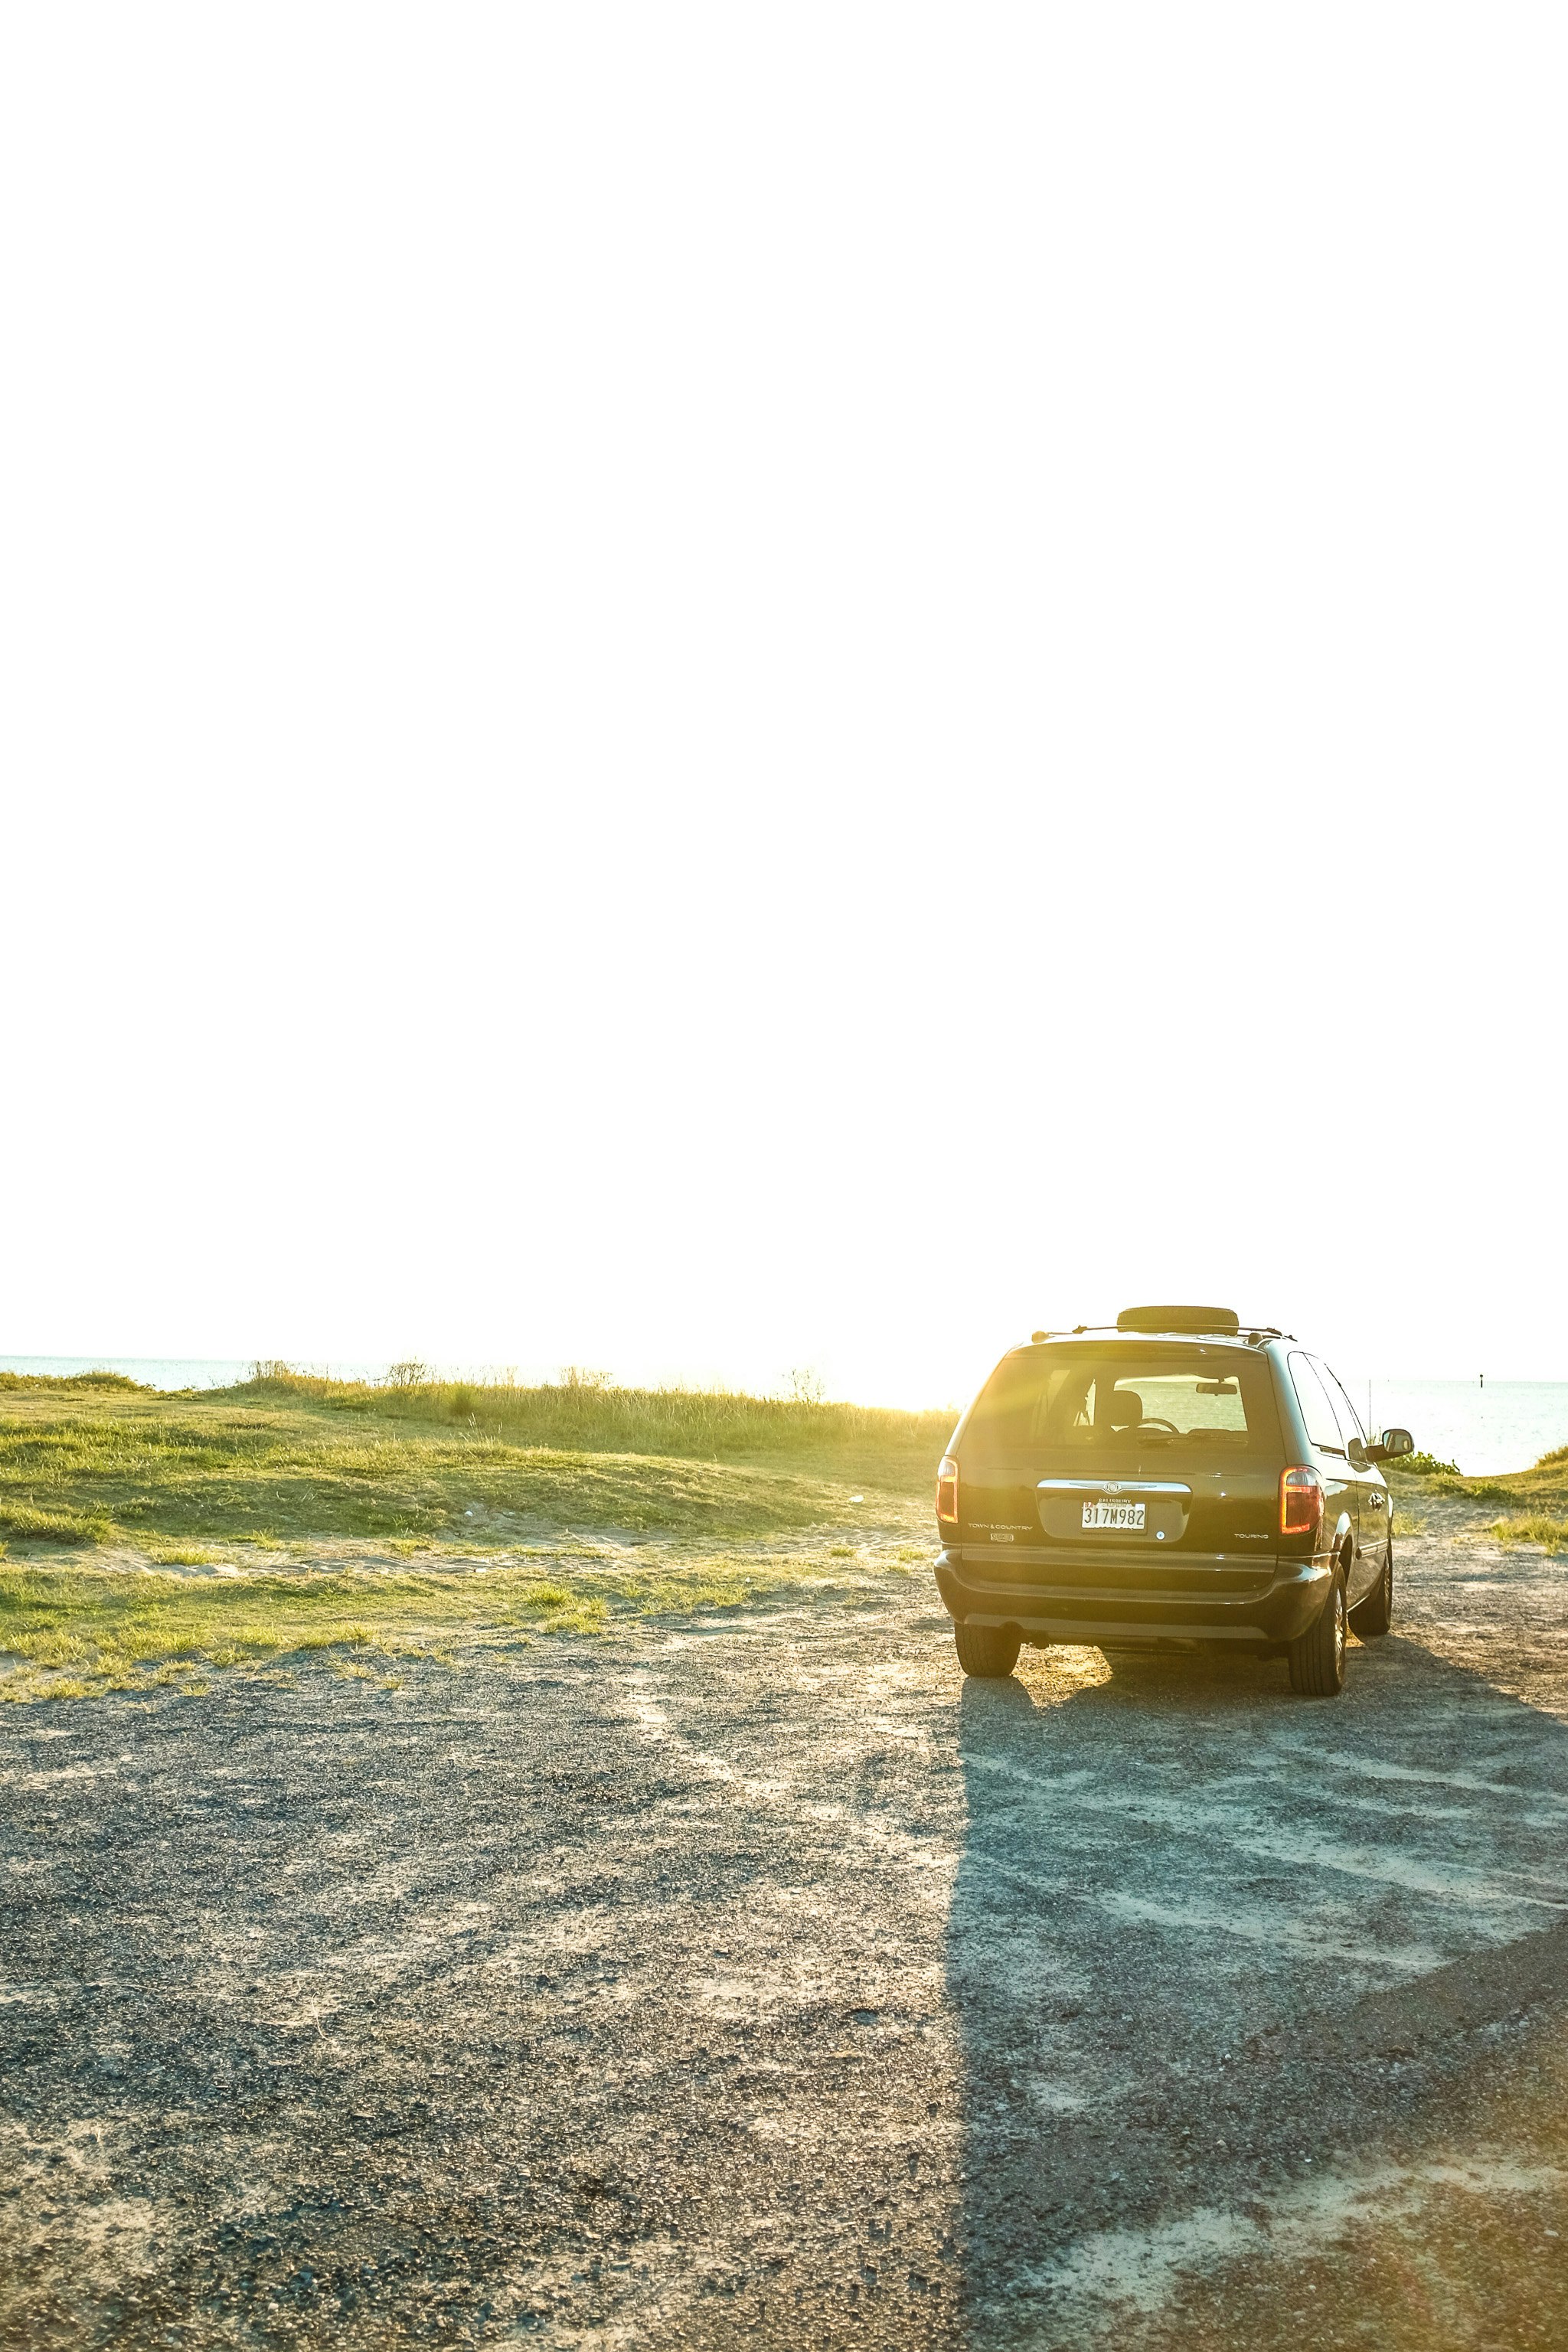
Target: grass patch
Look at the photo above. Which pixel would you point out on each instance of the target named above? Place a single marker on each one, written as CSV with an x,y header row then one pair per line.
x,y
31,1522
1442,1479
1536,1529
80,1632
286,1458
1540,1491
584,1414
580,1506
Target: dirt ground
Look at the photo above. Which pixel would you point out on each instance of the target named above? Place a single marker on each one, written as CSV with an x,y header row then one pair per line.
x,y
755,1980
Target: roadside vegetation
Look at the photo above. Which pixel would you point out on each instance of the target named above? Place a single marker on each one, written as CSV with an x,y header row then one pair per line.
x,y
1539,1527
1544,1486
1434,1477
82,1631
1540,1494
150,1536
94,1459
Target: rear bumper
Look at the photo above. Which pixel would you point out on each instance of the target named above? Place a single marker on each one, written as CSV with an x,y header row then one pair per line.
x,y
1282,1611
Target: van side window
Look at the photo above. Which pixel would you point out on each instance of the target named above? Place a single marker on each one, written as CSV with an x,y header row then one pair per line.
x,y
1318,1414
1339,1398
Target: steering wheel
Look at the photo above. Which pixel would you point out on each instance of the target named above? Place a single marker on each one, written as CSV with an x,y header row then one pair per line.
x,y
1157,1421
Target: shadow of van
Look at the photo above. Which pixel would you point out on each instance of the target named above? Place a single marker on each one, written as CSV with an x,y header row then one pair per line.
x,y
1212,1951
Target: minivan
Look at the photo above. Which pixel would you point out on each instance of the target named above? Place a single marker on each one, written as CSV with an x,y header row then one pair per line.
x,y
1183,1477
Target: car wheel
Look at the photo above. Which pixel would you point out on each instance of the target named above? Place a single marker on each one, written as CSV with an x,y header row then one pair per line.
x,y
1375,1613
988,1650
1318,1659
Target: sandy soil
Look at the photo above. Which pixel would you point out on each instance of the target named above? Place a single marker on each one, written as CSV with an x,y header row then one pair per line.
x,y
757,1981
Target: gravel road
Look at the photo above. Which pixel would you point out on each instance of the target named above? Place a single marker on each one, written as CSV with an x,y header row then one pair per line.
x,y
755,1980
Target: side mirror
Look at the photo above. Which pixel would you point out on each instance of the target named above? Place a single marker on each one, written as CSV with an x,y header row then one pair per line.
x,y
1391,1446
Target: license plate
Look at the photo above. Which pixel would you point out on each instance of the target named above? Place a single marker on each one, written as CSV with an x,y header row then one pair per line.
x,y
1113,1515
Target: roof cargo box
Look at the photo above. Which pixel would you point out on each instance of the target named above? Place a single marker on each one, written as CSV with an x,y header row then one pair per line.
x,y
1178,1319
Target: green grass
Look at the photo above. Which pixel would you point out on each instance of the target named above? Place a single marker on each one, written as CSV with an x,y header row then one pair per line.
x,y
310,1496
286,1456
1543,1488
1537,1528
584,1414
83,1631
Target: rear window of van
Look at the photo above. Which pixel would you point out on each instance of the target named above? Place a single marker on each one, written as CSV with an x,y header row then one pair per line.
x,y
1102,1402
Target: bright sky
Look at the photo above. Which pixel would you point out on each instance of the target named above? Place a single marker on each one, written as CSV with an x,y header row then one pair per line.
x,y
700,690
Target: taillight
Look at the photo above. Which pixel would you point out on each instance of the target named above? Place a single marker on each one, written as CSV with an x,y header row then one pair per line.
x,y
1300,1502
947,1490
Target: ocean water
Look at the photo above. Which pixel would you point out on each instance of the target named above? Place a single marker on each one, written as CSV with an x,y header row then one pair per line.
x,y
1506,1425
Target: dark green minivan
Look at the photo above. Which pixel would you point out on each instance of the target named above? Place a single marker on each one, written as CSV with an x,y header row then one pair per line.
x,y
1181,1479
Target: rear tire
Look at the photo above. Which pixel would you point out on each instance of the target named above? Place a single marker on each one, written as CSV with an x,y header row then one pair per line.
x,y
1318,1659
987,1650
1375,1613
